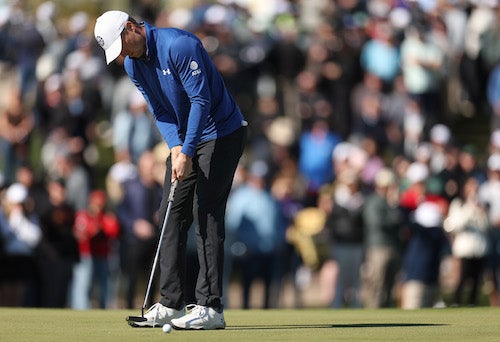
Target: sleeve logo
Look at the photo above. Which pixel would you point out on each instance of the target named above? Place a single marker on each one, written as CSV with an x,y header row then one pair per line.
x,y
194,66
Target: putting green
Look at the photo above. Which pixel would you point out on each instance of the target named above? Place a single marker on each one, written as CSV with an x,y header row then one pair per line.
x,y
457,324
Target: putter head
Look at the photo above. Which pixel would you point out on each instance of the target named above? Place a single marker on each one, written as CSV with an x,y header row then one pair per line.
x,y
133,320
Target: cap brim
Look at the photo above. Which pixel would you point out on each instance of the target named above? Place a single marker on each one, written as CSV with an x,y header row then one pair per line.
x,y
114,50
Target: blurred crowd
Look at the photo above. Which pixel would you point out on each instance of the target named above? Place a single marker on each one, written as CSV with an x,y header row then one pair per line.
x,y
353,180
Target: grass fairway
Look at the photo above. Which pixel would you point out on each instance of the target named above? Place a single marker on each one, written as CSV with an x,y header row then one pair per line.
x,y
452,324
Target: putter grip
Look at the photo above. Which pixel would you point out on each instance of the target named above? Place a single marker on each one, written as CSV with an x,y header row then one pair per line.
x,y
172,190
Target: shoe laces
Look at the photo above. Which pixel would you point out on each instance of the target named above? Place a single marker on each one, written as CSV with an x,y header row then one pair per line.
x,y
194,309
157,307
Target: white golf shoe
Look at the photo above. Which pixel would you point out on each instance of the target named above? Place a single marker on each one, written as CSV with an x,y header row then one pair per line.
x,y
157,316
200,318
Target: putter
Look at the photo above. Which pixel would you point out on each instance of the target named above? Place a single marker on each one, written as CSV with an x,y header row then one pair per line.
x,y
132,319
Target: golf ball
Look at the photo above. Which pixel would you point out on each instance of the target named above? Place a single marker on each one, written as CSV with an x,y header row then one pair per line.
x,y
167,328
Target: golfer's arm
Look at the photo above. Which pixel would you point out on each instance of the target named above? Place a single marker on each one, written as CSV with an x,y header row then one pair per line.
x,y
188,61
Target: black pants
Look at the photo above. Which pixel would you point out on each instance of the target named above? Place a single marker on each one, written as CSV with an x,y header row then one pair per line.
x,y
471,270
202,197
135,256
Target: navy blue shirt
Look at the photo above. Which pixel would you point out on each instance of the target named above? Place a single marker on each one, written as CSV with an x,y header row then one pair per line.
x,y
425,250
183,88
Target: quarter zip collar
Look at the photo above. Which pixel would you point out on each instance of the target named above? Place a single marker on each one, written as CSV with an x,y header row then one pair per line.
x,y
150,41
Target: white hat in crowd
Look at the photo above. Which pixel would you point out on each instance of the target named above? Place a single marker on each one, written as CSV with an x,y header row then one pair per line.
x,y
16,193
495,138
107,31
78,22
417,172
440,134
428,214
494,162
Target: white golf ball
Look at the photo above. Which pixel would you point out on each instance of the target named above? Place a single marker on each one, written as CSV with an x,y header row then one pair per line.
x,y
166,328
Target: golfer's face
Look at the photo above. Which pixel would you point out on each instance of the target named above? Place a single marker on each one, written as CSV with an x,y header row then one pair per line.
x,y
133,43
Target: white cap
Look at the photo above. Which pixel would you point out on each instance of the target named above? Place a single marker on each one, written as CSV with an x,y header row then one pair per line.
x,y
16,193
428,215
494,162
78,22
440,134
495,138
417,172
107,31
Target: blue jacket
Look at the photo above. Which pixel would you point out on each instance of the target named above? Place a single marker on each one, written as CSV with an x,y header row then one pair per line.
x,y
253,217
137,203
185,91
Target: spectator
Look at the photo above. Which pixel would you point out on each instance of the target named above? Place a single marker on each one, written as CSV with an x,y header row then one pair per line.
x,y
467,222
380,55
383,225
422,260
37,189
133,130
316,148
22,235
440,141
138,217
307,235
26,46
413,187
257,234
58,250
344,225
81,106
288,189
16,126
421,61
450,175
77,179
469,165
121,171
373,164
371,87
95,229
313,105
489,197
286,60
25,228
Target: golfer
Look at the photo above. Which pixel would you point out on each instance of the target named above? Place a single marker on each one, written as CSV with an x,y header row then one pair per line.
x,y
206,133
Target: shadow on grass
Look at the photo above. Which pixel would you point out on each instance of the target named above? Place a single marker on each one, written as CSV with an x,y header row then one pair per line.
x,y
330,326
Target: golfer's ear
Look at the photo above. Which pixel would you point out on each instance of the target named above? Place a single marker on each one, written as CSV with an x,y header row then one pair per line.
x,y
129,26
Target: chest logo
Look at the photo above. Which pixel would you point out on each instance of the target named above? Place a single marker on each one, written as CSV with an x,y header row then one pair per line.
x,y
166,72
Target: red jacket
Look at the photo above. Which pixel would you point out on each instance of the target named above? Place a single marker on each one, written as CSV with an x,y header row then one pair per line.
x,y
94,233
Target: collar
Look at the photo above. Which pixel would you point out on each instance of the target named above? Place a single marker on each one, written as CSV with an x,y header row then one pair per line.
x,y
150,40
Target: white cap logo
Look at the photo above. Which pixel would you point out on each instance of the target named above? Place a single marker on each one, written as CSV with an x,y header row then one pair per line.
x,y
100,41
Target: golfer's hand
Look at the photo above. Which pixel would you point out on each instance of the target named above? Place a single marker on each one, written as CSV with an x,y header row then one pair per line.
x,y
174,152
182,165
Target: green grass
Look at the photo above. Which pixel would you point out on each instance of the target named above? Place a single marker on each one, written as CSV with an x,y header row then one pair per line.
x,y
451,324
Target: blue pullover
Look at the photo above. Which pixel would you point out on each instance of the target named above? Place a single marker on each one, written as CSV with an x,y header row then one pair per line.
x,y
183,88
